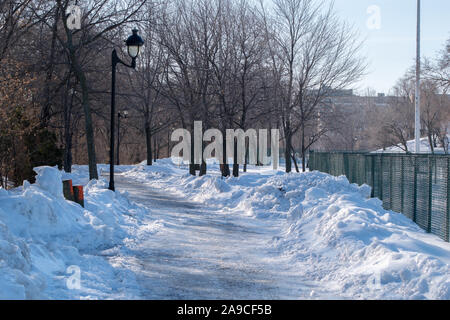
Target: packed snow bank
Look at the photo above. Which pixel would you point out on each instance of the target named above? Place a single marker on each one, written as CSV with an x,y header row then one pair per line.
x,y
359,248
42,235
334,232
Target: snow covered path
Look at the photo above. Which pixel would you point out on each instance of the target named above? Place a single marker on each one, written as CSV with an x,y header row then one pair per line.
x,y
200,253
168,235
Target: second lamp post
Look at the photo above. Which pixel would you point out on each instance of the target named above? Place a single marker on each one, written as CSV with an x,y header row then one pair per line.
x,y
123,114
134,43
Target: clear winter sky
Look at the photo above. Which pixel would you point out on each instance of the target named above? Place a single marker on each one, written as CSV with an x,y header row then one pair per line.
x,y
391,49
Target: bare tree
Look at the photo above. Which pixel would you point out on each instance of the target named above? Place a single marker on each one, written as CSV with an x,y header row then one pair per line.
x,y
439,69
100,18
188,36
285,31
17,17
317,54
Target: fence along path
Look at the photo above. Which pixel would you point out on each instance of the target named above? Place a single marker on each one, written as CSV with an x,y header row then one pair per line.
x,y
417,185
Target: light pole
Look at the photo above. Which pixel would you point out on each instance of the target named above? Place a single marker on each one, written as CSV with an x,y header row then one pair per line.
x,y
134,43
417,111
124,115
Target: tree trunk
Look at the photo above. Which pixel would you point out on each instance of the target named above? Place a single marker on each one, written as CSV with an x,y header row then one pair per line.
x,y
148,141
405,145
303,160
45,113
203,165
295,162
303,150
93,174
68,153
203,168
81,77
192,162
430,141
67,135
235,160
224,168
156,148
168,142
287,153
247,155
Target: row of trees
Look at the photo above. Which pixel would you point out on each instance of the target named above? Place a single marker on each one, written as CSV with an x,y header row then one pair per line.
x,y
230,64
57,96
235,64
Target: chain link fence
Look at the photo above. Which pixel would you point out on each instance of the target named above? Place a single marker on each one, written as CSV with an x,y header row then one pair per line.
x,y
416,185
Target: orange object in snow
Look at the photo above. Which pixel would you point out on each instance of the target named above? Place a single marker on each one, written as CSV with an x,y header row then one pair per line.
x,y
68,190
79,195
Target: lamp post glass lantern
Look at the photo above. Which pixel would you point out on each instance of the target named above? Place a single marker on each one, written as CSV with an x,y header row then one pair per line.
x,y
133,43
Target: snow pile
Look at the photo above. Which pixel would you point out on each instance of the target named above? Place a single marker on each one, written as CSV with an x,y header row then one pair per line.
x,y
361,250
347,241
333,232
42,235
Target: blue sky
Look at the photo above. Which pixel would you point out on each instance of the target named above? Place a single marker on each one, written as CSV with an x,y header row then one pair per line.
x,y
390,50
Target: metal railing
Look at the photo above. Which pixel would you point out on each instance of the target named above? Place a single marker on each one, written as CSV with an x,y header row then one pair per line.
x,y
417,185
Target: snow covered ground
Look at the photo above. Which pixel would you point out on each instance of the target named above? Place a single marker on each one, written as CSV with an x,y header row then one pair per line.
x,y
168,235
45,240
424,147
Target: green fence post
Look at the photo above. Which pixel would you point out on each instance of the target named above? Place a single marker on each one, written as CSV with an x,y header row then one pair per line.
x,y
430,192
345,156
373,176
447,235
390,182
402,185
381,178
415,190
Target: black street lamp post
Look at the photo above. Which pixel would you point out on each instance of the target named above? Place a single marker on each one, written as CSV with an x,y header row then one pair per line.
x,y
134,42
124,115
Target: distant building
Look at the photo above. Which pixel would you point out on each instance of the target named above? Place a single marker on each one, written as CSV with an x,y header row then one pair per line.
x,y
329,92
349,113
